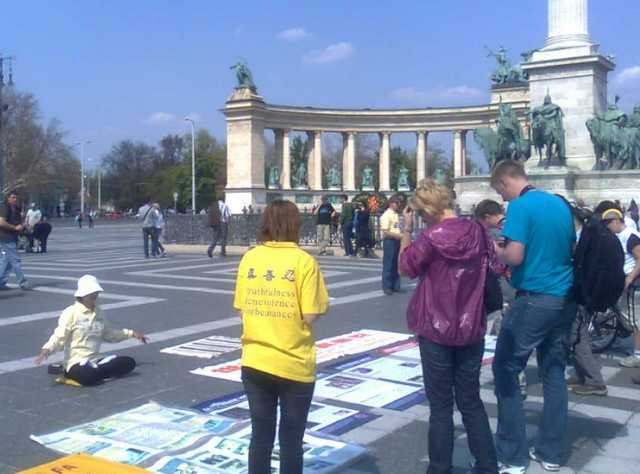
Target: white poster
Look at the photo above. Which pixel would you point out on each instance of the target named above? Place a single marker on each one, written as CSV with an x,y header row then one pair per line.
x,y
207,348
383,368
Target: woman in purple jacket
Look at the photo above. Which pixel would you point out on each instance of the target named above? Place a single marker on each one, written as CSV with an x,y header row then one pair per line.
x,y
450,258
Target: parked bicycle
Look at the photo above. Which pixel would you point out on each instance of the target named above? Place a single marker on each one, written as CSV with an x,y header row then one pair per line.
x,y
605,327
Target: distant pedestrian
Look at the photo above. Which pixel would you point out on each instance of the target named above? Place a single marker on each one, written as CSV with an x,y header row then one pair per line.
x,y
346,225
450,259
159,229
390,229
33,216
80,332
363,231
280,291
324,212
538,240
90,219
219,216
79,218
41,233
149,217
10,228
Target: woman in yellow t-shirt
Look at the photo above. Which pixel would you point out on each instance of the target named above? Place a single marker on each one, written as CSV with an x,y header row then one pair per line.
x,y
280,291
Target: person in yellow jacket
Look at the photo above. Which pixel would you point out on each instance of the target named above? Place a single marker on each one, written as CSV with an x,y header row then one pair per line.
x,y
80,332
280,291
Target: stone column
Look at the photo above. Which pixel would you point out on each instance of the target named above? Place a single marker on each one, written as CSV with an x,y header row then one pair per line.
x,y
283,152
568,24
314,163
458,164
463,145
421,155
349,161
384,175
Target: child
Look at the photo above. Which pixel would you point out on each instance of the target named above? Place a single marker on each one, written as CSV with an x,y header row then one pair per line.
x,y
80,332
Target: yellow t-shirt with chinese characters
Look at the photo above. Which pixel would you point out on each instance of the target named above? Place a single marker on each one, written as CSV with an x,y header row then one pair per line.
x,y
390,222
277,283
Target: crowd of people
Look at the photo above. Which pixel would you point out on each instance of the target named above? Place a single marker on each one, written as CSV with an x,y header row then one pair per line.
x,y
536,261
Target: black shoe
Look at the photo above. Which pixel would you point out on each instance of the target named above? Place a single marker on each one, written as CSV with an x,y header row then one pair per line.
x,y
387,291
210,253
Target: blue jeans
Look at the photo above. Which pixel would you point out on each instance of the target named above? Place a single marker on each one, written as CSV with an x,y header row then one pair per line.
x,y
540,322
9,259
150,233
347,239
390,276
454,372
263,393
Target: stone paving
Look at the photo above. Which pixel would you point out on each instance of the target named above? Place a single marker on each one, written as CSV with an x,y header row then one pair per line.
x,y
188,296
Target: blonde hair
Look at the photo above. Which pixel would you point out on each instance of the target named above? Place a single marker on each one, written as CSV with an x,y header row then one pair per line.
x,y
431,198
507,168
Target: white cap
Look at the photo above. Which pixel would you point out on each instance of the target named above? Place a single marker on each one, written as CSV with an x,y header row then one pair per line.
x,y
87,284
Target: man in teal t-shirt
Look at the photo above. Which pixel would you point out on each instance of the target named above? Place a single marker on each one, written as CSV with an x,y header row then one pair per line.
x,y
538,244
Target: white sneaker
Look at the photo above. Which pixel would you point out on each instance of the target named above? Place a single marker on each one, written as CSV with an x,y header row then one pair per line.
x,y
508,469
547,466
632,361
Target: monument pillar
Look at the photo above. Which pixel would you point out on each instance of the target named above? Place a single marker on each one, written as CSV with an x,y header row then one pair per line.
x,y
574,73
314,162
244,112
458,153
385,163
283,153
349,161
421,155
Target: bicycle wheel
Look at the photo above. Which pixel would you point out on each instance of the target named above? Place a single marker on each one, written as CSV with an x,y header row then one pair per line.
x,y
602,330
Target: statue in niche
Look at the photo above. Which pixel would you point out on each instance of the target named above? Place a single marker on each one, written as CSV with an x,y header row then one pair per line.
x,y
243,76
505,73
439,177
615,138
274,176
333,177
367,177
507,143
403,178
547,130
300,175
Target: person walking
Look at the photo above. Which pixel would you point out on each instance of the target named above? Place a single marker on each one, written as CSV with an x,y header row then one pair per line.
x,y
346,225
219,216
159,228
10,228
390,229
280,291
324,212
538,241
32,217
451,259
80,332
149,217
41,233
363,231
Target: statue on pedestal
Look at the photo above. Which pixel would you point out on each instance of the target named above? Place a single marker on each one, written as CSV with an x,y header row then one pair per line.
x,y
333,178
274,177
403,179
367,178
615,138
243,75
547,130
505,73
299,177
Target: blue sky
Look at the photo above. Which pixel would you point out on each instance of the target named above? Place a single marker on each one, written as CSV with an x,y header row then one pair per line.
x,y
133,69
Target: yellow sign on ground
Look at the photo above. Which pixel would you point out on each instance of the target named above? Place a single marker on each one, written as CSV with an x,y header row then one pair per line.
x,y
83,464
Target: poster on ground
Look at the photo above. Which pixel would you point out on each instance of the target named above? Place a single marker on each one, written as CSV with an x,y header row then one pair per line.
x,y
323,417
82,464
206,348
410,349
382,368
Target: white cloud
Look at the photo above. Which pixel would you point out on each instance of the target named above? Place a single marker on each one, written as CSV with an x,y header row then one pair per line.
x,y
333,52
293,34
413,95
158,118
629,74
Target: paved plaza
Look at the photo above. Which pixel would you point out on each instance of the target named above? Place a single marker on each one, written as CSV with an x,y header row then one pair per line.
x,y
188,296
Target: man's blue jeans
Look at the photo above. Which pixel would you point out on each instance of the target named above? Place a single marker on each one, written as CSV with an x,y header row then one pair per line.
x,y
9,259
390,276
540,322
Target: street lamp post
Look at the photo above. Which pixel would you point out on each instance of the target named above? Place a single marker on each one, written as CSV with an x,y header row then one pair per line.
x,y
3,108
175,201
99,189
193,164
82,144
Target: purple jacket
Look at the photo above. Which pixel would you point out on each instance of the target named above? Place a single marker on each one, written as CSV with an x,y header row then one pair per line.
x,y
450,259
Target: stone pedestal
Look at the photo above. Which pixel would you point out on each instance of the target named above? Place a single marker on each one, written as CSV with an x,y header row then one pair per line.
x,y
404,189
368,188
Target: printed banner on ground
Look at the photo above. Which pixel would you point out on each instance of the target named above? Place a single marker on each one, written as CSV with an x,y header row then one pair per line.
x,y
410,350
82,464
355,342
323,418
383,368
206,348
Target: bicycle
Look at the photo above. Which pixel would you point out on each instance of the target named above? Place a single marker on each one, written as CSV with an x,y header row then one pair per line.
x,y
604,327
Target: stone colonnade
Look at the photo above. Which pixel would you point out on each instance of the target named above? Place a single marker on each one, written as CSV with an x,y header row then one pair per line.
x,y
314,162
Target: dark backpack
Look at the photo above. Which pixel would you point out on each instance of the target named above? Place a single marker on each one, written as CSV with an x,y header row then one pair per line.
x,y
598,267
214,214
